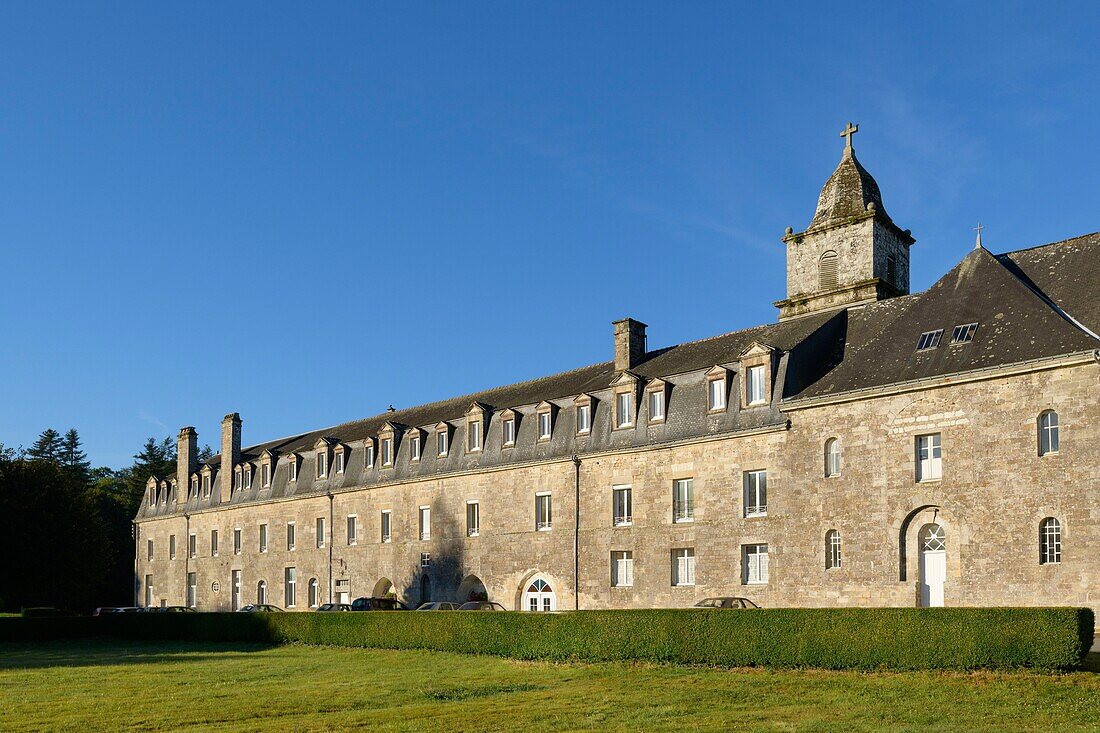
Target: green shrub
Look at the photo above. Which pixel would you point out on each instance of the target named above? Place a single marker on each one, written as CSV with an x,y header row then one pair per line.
x,y
884,638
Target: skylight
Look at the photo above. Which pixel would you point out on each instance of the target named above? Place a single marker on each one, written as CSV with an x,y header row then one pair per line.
x,y
929,340
964,334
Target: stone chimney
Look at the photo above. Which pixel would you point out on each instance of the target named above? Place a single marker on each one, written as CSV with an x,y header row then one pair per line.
x,y
187,461
231,454
629,343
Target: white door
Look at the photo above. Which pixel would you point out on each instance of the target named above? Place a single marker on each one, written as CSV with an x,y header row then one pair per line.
x,y
933,565
236,583
342,596
540,597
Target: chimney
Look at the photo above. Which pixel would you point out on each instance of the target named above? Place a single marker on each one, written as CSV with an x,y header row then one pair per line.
x,y
231,454
187,460
629,343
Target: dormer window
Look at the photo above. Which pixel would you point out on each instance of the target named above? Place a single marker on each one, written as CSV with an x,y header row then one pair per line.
x,y
340,459
655,400
756,366
206,484
294,468
544,417
477,417
388,440
508,429
322,464
624,410
754,386
265,476
442,439
246,472
238,479
414,446
473,435
387,451
624,404
368,454
584,414
717,389
195,486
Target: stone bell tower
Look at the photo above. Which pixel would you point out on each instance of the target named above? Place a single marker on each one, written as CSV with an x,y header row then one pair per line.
x,y
852,252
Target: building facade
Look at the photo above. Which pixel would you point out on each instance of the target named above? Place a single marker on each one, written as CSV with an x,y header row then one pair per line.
x,y
871,448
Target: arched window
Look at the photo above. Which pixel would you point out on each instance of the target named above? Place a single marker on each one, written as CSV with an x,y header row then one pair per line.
x,y
832,549
827,271
1048,432
314,595
832,457
261,592
1050,541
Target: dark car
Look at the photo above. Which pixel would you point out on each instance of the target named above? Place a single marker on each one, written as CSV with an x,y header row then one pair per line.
x,y
378,604
171,609
438,606
481,606
259,608
327,607
727,602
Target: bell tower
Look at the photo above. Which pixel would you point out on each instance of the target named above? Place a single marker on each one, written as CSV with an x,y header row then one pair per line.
x,y
852,252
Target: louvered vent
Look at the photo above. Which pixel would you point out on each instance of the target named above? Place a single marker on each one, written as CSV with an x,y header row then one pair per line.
x,y
827,271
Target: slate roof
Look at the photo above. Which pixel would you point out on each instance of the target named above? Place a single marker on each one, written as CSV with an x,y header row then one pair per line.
x,y
847,192
1067,272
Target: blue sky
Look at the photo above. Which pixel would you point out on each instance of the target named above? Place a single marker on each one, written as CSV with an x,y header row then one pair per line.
x,y
306,215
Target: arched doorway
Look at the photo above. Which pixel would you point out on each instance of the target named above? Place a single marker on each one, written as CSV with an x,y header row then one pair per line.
x,y
382,588
471,589
933,564
539,596
425,588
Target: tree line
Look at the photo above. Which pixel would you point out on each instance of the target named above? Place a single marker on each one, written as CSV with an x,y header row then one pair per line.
x,y
68,538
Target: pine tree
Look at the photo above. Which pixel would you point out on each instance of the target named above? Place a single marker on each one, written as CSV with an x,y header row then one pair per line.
x,y
205,454
47,447
72,458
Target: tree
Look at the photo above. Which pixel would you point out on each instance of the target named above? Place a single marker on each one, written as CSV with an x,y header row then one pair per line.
x,y
205,454
47,447
73,459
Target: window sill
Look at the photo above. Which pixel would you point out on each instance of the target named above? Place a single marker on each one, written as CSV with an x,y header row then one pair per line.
x,y
627,523
1049,454
689,520
473,534
756,515
622,587
683,585
544,529
929,480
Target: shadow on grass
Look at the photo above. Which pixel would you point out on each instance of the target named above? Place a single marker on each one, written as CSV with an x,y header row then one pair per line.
x,y
1092,662
96,653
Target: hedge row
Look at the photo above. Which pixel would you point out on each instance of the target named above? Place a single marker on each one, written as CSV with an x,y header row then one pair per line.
x,y
900,639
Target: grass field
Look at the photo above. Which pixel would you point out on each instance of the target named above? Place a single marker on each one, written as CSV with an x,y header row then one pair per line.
x,y
105,685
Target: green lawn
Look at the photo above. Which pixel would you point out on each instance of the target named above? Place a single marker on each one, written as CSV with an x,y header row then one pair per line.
x,y
105,685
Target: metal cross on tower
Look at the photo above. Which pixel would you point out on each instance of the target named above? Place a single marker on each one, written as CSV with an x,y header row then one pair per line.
x,y
848,132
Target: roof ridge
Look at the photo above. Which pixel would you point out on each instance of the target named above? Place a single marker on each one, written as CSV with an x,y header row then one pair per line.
x,y
1048,244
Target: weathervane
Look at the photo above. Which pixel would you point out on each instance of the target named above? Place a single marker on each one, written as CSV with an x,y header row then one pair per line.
x,y
847,133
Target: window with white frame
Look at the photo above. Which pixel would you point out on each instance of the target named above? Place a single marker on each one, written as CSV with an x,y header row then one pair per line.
x,y
195,486
425,559
755,569
339,461
293,468
314,593
368,452
832,549
387,451
414,448
622,569
263,538
929,466
237,541
265,476
322,464
657,405
192,545
238,479
353,529
509,429
247,473
473,435
290,587
291,535
385,524
929,340
624,409
832,457
754,388
544,425
442,443
683,500
1050,541
206,485
148,591
319,532
584,418
543,511
192,590
1048,432
425,522
149,549
171,547
473,519
716,394
683,566
621,505
213,543
756,493
261,592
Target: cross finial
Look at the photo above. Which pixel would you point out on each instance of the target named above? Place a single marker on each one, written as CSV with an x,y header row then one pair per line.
x,y
978,241
847,133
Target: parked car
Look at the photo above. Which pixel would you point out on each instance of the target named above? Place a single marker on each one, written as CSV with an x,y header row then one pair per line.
x,y
481,606
726,602
171,609
378,604
327,607
104,610
438,606
259,608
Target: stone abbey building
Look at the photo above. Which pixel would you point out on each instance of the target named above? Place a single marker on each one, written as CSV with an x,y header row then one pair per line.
x,y
872,447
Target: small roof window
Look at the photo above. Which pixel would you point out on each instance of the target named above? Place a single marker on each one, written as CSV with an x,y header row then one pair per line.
x,y
929,340
964,334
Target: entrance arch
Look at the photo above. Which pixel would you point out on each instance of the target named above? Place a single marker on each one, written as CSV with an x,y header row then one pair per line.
x,y
425,588
933,564
539,596
382,588
471,589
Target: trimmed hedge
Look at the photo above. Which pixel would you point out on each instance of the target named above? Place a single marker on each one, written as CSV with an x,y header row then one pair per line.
x,y
866,639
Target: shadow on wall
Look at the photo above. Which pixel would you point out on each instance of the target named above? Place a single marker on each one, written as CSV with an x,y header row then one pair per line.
x,y
442,575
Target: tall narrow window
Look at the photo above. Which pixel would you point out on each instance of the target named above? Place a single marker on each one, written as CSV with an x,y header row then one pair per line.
x,y
265,476
195,486
656,406
473,435
314,593
263,538
293,468
683,566
509,431
171,547
414,448
385,524
1050,541
441,443
756,493
237,541
290,587
339,461
319,531
473,519
369,455
353,529
929,466
387,451
1048,433
148,591
622,569
238,479
425,522
247,473
261,592
755,385
621,501
584,419
828,268
291,535
544,425
624,409
192,545
716,394
322,464
543,511
683,500
206,485
832,457
832,549
192,590
755,562
149,549
213,543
